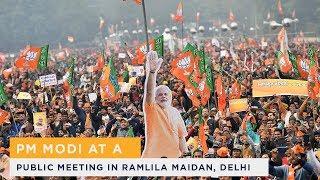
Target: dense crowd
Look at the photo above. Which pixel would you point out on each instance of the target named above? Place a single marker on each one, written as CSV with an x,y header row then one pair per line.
x,y
287,127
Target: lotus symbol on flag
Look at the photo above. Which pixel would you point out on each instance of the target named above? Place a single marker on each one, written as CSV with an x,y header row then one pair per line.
x,y
201,86
304,65
31,55
107,90
184,63
143,48
189,92
282,62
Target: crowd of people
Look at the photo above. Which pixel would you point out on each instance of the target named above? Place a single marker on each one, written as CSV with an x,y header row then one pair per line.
x,y
287,127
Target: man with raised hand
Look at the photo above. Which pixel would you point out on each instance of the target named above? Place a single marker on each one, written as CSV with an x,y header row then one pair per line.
x,y
165,128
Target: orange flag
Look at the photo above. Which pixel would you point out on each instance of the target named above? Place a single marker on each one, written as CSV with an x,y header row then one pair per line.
x,y
109,87
284,61
303,67
179,13
192,94
100,63
280,10
222,98
139,2
183,65
29,58
7,72
235,91
204,91
3,116
231,16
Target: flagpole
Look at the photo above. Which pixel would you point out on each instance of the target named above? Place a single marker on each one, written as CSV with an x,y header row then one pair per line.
x,y
145,24
182,35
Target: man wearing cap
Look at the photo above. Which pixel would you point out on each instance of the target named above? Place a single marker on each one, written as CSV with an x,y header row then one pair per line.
x,y
164,125
122,130
237,151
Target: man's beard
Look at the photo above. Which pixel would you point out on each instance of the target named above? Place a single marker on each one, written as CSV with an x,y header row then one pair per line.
x,y
164,104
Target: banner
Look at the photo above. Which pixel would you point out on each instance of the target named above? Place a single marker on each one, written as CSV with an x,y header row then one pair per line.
x,y
48,80
270,87
39,121
238,105
122,55
24,95
136,71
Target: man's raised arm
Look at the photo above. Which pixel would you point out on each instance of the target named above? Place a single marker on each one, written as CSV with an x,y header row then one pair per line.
x,y
153,64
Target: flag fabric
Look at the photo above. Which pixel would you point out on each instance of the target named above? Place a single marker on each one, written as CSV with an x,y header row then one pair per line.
x,y
152,21
182,66
198,17
280,10
231,16
139,2
196,75
294,62
7,72
100,62
303,67
172,17
179,13
235,92
192,95
222,98
109,86
268,16
283,57
3,96
3,116
202,135
154,44
208,73
68,84
130,132
101,23
293,14
204,91
313,77
70,39
33,58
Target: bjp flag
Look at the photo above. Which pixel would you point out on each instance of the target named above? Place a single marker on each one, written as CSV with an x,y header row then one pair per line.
x,y
3,116
109,86
182,66
33,57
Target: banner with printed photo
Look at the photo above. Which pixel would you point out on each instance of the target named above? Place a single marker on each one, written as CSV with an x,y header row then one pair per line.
x,y
48,80
238,105
39,121
270,87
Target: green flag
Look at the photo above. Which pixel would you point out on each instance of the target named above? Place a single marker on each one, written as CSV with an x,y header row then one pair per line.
x,y
158,45
202,62
209,74
113,76
3,96
130,132
43,61
190,47
293,59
